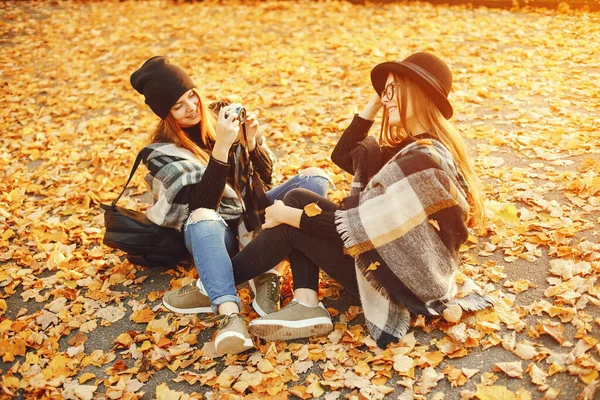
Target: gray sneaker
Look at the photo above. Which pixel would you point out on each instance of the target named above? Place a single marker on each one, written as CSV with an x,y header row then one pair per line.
x,y
293,321
266,293
187,300
232,336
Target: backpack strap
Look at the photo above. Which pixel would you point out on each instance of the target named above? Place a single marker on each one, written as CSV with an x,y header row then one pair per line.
x,y
135,165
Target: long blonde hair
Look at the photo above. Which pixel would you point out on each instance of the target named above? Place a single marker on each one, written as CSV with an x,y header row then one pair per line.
x,y
168,130
427,114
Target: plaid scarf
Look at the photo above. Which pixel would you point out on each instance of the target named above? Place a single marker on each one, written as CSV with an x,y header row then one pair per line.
x,y
405,233
170,169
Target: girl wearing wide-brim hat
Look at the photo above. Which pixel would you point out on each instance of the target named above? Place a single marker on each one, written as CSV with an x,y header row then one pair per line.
x,y
394,242
212,182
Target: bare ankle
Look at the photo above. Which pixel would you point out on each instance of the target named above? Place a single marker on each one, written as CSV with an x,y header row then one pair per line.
x,y
229,307
308,297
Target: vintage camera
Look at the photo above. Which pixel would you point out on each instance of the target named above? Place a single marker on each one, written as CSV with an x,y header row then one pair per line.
x,y
240,111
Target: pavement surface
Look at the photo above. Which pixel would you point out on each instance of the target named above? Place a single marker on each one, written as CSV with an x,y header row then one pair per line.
x,y
523,78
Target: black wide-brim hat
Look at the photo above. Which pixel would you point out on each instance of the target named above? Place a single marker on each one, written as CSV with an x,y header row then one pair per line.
x,y
426,70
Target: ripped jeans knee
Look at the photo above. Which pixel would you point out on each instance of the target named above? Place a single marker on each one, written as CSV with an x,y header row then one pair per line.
x,y
312,178
313,171
203,214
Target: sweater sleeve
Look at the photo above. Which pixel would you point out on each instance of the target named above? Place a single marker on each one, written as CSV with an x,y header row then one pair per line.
x,y
208,192
322,226
355,133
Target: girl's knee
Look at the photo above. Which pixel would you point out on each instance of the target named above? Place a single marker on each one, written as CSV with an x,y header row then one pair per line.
x,y
316,180
207,217
298,197
313,171
204,214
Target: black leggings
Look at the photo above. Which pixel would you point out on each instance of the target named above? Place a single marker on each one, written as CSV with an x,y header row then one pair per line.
x,y
307,253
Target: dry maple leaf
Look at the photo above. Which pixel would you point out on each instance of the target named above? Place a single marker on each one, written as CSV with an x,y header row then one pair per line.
x,y
164,393
300,391
455,376
428,380
403,364
452,313
79,392
538,376
555,330
46,319
315,389
373,266
496,392
533,130
312,209
512,369
525,351
352,312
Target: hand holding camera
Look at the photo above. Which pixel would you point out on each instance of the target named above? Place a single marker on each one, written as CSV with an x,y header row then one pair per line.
x,y
226,131
239,111
234,118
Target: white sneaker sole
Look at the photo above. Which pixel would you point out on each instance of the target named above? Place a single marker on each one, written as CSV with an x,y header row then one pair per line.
x,y
278,330
197,310
232,343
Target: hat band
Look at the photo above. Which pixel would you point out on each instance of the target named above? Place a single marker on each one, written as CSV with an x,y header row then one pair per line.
x,y
425,74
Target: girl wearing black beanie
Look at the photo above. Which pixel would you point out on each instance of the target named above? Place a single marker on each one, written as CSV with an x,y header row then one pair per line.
x,y
210,172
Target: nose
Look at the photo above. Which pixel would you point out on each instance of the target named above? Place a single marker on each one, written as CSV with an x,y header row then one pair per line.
x,y
189,105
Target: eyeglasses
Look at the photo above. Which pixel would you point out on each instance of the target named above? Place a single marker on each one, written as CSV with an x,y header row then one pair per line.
x,y
389,90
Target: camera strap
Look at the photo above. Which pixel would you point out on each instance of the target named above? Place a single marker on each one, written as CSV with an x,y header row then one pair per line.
x,y
241,162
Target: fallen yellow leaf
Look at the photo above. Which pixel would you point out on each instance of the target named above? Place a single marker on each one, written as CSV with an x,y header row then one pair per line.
x,y
312,209
496,392
86,377
143,316
373,266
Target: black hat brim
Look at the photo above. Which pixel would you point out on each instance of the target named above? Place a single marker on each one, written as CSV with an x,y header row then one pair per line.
x,y
380,73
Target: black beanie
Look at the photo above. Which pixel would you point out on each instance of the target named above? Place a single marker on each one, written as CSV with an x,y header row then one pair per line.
x,y
161,83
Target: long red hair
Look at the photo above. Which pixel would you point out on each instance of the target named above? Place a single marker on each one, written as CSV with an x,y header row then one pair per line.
x,y
428,114
169,131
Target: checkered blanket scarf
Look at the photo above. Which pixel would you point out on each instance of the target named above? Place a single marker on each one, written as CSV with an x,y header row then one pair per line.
x,y
170,169
405,234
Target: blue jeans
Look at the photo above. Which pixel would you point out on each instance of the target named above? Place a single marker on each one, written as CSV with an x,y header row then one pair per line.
x,y
212,241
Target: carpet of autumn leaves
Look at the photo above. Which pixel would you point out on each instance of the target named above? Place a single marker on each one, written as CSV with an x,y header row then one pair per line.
x,y
79,322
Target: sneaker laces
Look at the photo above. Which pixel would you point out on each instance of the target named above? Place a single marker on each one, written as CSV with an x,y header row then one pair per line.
x,y
224,319
188,288
272,283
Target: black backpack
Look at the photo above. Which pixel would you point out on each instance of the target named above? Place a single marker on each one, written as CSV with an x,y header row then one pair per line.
x,y
144,242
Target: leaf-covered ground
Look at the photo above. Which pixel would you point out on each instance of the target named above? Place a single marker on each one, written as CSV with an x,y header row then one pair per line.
x,y
78,322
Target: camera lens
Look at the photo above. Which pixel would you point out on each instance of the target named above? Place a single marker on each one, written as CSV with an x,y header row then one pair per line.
x,y
242,115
